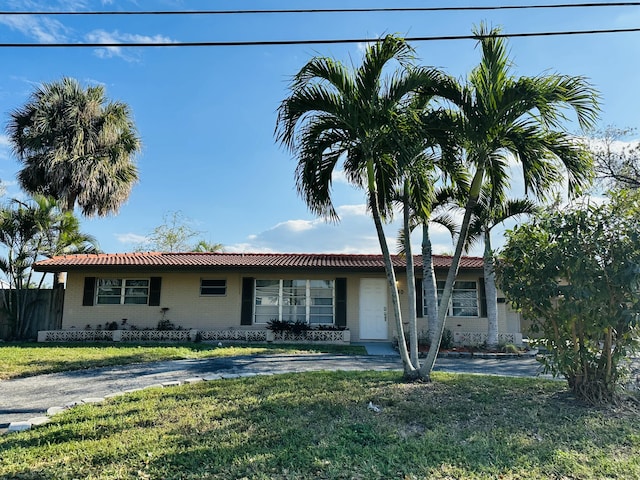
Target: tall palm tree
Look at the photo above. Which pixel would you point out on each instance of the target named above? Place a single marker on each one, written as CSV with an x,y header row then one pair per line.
x,y
439,212
424,212
338,115
75,146
502,117
486,216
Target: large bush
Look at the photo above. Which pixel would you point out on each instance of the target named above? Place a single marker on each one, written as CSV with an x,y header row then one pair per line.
x,y
576,274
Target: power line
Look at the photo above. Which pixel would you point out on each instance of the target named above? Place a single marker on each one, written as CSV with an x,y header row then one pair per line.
x,y
332,10
310,42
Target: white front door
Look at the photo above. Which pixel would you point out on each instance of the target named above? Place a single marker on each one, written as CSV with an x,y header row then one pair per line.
x,y
373,309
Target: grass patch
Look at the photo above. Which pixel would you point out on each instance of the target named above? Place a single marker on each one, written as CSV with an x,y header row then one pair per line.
x,y
317,425
28,359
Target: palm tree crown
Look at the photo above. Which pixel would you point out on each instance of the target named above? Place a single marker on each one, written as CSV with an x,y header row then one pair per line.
x,y
360,118
501,118
505,117
76,147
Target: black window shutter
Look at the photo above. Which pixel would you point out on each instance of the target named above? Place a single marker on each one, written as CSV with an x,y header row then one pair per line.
x,y
341,302
483,297
89,291
419,301
155,286
246,310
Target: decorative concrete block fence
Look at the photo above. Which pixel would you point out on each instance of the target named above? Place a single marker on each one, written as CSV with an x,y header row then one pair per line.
x,y
474,339
237,335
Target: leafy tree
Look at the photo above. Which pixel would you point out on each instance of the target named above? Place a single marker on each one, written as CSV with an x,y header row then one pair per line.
x,y
358,118
176,235
576,274
75,146
486,216
617,164
29,231
503,118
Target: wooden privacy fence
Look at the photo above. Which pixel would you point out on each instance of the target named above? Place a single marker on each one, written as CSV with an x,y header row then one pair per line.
x,y
47,313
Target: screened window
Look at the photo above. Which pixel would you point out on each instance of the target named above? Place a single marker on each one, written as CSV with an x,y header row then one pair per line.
x,y
119,291
308,301
213,287
464,299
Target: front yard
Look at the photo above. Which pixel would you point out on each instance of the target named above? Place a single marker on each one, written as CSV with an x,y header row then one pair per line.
x,y
320,425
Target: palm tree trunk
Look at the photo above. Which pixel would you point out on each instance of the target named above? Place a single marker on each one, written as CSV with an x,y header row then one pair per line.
x,y
409,368
411,281
429,286
491,293
474,193
69,204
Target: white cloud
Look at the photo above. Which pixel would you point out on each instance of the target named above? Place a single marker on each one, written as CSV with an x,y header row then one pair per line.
x,y
338,176
5,147
246,248
443,248
42,29
296,225
102,36
352,210
131,238
355,233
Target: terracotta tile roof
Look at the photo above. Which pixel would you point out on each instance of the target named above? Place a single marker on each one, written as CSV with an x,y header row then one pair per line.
x,y
278,261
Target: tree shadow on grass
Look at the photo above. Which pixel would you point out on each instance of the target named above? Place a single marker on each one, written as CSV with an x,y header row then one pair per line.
x,y
320,426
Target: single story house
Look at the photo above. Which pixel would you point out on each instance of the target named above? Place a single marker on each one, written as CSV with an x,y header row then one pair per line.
x,y
245,291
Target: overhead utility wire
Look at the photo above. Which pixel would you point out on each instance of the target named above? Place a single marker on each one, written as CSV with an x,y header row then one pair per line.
x,y
333,10
312,42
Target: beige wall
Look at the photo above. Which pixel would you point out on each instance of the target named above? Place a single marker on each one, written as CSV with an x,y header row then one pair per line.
x,y
181,295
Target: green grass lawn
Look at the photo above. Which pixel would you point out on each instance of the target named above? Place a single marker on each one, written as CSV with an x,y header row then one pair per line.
x,y
317,425
28,359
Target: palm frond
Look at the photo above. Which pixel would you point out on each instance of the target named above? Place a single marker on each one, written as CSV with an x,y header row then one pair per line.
x,y
76,146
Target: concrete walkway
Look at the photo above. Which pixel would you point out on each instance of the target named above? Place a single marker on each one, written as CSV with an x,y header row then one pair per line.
x,y
26,401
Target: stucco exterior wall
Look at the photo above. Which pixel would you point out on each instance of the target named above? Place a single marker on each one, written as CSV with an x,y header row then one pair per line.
x,y
180,293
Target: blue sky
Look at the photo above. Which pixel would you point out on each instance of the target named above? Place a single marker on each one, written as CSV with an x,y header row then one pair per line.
x,y
206,115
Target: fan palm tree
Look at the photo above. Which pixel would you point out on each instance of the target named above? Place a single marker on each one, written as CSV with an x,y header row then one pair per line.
x,y
337,115
502,117
486,216
75,146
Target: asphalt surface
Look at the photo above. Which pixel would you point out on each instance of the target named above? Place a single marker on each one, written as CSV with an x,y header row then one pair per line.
x,y
26,398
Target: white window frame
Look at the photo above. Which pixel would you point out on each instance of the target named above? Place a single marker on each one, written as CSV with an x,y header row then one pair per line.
x,y
223,287
122,296
262,319
456,288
